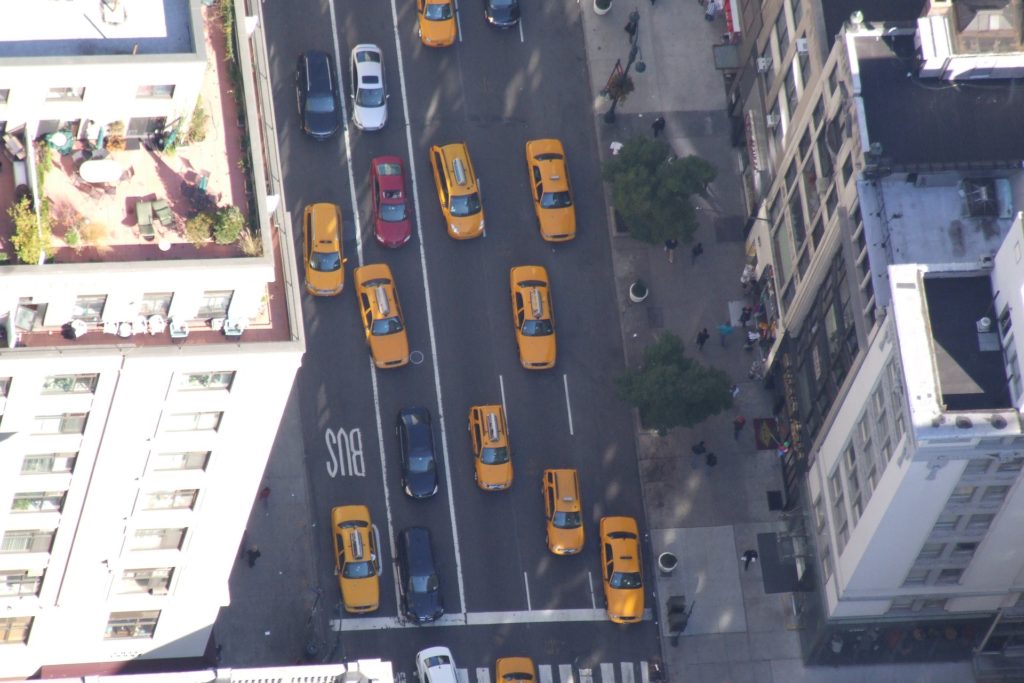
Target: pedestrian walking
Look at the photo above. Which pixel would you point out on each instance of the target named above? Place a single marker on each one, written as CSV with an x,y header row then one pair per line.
x,y
265,497
748,556
745,315
697,250
658,125
710,9
724,330
670,248
632,24
702,338
698,450
710,459
734,390
737,426
253,554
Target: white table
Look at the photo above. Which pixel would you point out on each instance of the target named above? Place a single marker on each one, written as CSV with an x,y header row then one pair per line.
x,y
98,171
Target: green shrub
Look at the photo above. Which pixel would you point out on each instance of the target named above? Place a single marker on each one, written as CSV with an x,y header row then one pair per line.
x,y
251,244
197,124
197,229
72,237
32,237
228,225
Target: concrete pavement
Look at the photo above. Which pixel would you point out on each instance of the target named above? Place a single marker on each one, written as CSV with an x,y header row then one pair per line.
x,y
706,516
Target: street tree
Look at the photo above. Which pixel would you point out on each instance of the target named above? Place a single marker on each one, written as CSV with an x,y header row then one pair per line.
x,y
671,390
652,189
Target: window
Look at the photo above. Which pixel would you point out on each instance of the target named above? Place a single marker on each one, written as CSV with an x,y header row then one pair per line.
x,y
798,13
979,523
157,303
5,386
38,501
782,32
132,624
192,422
947,522
963,552
792,96
5,95
154,581
214,305
181,461
994,495
70,384
816,116
769,75
949,576
847,169
158,539
68,423
27,541
977,466
805,144
962,494
89,308
826,562
901,605
832,83
1014,465
182,499
916,577
17,582
931,551
48,463
15,629
164,92
65,94
207,380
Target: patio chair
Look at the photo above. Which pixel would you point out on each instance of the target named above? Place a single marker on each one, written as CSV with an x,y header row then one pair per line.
x,y
144,212
163,213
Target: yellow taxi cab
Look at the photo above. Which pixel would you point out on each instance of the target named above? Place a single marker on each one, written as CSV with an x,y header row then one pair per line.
x,y
382,315
552,194
562,510
356,562
436,22
321,239
532,316
489,433
457,190
515,670
620,569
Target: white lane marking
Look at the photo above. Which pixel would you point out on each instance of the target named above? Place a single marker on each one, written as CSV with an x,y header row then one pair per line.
x,y
593,599
526,582
430,313
544,671
628,675
458,19
607,672
539,616
521,39
504,407
565,673
462,675
568,403
359,259
483,675
644,674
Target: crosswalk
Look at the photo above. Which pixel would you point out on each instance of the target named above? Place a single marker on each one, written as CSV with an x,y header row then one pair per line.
x,y
605,672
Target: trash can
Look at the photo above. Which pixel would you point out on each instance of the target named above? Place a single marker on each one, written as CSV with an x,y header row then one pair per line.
x,y
667,563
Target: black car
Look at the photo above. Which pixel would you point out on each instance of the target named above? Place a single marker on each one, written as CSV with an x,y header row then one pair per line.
x,y
417,576
416,442
501,13
317,92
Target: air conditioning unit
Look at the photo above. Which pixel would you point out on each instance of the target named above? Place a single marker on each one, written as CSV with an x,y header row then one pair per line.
x,y
772,120
764,64
802,46
986,262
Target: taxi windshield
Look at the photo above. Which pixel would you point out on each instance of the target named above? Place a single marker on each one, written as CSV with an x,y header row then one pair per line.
x,y
537,328
465,205
325,261
494,456
386,326
358,570
626,580
555,200
567,520
438,11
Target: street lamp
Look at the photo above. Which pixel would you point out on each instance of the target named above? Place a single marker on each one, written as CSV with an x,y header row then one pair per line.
x,y
634,51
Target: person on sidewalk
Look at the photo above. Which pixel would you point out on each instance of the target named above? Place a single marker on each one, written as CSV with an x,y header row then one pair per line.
x,y
748,556
702,338
695,253
698,450
734,390
658,125
670,248
253,554
745,315
265,497
632,24
724,330
737,426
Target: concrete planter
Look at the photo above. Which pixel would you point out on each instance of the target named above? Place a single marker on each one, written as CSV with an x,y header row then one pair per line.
x,y
667,563
602,7
638,291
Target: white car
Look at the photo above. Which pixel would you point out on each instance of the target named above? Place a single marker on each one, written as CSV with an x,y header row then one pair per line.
x,y
369,91
435,665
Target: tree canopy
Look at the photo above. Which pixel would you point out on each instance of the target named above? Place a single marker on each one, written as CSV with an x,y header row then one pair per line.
x,y
671,390
652,189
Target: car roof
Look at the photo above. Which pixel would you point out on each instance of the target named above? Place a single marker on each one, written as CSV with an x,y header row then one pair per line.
x,y
318,64
325,221
369,68
419,553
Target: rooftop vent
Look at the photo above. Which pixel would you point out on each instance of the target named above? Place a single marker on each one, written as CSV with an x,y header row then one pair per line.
x,y
984,324
856,20
963,422
998,421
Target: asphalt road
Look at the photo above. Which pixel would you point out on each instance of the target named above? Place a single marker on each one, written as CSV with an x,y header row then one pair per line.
x,y
493,90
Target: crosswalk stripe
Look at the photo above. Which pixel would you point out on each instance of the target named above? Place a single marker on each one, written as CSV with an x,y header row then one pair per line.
x,y
565,673
544,670
607,672
627,672
483,675
463,675
644,674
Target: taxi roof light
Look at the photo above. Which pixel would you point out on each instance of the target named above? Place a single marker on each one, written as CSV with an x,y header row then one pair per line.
x,y
357,545
459,170
492,427
382,301
535,303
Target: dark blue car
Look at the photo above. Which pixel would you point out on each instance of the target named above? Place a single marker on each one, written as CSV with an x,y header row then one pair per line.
x,y
416,444
501,13
317,91
417,576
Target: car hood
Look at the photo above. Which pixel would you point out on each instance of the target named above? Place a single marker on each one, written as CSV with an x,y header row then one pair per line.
x,y
566,538
421,484
425,606
625,602
321,124
494,475
370,118
555,222
538,349
439,33
394,234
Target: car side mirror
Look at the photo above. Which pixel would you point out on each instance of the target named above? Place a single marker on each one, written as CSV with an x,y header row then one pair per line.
x,y
344,260
335,571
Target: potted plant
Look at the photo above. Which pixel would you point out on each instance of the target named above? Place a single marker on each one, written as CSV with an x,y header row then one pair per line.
x,y
638,291
602,7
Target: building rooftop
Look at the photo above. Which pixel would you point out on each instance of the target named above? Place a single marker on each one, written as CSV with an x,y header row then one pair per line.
x,y
928,123
837,13
986,26
35,28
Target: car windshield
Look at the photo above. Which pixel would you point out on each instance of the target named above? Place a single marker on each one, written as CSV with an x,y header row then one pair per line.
x,y
494,456
386,326
358,570
370,97
325,261
555,200
424,584
465,205
421,463
626,580
320,104
393,213
537,328
517,676
437,12
567,520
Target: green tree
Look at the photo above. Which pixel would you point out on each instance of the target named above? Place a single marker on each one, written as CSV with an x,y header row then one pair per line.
x,y
32,237
671,390
228,224
197,229
652,189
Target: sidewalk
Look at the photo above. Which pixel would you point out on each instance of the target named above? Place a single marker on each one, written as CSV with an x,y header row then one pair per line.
x,y
706,516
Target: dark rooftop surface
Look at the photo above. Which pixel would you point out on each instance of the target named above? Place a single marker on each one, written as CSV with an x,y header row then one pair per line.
x,y
921,122
969,378
837,12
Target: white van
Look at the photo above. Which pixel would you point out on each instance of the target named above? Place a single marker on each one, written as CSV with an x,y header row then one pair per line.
x,y
435,665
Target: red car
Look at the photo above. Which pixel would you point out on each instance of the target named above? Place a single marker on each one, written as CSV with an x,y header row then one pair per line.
x,y
391,223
